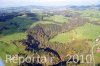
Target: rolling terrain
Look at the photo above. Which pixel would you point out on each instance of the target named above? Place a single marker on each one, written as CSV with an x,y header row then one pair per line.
x,y
51,33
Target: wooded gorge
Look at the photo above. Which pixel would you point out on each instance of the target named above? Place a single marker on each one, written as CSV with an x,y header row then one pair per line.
x,y
50,33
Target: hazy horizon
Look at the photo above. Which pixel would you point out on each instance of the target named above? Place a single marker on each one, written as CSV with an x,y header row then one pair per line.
x,y
17,3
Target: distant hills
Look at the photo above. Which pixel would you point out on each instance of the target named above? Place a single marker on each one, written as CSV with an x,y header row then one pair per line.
x,y
44,8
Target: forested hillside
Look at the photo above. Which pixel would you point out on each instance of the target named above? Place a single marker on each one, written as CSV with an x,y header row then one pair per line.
x,y
51,33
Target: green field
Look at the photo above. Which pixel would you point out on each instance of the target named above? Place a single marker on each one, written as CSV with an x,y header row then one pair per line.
x,y
59,19
12,37
90,13
87,31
